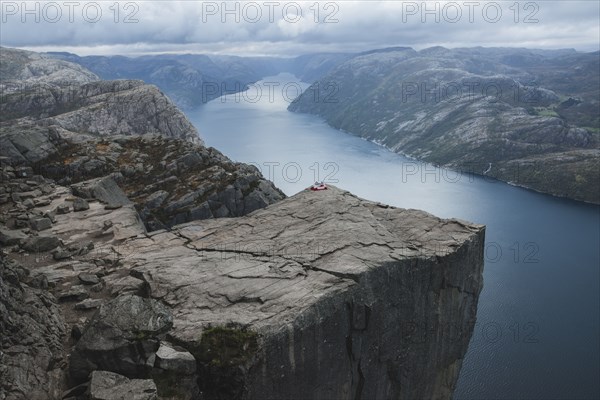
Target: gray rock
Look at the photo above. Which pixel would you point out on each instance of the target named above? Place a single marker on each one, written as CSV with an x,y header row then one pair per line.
x,y
42,202
29,204
97,287
41,243
76,293
121,337
171,358
32,334
89,304
63,209
104,189
73,249
76,392
40,224
62,254
9,237
361,273
88,279
156,199
80,204
51,215
27,66
190,160
105,385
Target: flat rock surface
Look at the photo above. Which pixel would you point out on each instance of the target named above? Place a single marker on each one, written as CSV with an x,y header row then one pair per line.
x,y
266,268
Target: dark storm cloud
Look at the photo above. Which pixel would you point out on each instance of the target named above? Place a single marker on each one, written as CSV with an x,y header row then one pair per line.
x,y
288,28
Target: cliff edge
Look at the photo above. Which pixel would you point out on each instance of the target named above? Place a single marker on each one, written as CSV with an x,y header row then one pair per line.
x,y
321,295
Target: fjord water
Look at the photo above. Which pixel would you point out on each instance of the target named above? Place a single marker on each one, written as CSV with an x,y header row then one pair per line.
x,y
538,333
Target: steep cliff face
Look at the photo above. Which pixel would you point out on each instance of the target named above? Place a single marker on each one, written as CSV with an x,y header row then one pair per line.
x,y
349,299
321,295
517,115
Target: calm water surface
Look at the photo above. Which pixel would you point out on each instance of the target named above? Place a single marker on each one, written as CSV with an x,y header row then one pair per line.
x,y
537,334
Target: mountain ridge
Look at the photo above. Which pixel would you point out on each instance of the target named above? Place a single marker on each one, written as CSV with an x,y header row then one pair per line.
x,y
458,109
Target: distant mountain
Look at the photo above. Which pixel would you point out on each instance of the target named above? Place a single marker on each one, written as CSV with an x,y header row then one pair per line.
x,y
194,79
530,117
21,65
38,91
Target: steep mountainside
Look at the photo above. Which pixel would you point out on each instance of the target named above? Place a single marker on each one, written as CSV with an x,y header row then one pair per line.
x,y
522,116
194,79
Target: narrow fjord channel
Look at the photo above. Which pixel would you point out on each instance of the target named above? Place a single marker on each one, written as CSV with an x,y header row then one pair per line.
x,y
537,334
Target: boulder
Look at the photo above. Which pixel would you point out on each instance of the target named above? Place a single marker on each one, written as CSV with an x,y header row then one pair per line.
x,y
9,238
122,337
89,304
40,224
172,358
105,385
76,293
80,204
104,189
29,204
88,279
63,209
41,243
156,199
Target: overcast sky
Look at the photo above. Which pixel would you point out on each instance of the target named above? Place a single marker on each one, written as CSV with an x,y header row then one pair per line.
x,y
290,28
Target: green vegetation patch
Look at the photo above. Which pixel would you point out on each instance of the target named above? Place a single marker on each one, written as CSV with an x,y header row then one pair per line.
x,y
545,112
225,346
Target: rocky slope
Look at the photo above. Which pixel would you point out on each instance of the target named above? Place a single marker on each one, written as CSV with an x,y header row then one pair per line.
x,y
322,295
32,357
70,134
169,181
522,116
41,91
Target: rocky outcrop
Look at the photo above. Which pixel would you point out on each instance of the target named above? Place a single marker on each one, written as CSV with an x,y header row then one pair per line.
x,y
531,122
98,108
170,181
106,385
123,336
55,129
40,92
319,294
32,359
357,298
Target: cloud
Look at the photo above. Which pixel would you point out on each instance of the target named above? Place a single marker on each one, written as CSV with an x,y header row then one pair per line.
x,y
290,28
